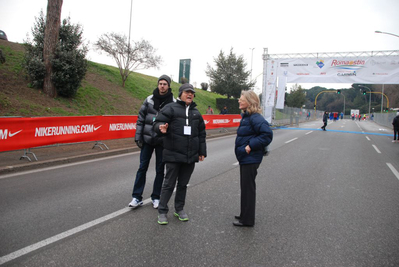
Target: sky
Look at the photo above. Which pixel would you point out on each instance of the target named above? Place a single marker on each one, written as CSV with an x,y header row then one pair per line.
x,y
199,30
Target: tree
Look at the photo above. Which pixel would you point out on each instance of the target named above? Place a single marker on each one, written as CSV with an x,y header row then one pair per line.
x,y
204,86
68,63
297,97
53,21
140,55
229,77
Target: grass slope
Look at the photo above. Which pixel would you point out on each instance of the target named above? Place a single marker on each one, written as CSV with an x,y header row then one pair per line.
x,y
101,92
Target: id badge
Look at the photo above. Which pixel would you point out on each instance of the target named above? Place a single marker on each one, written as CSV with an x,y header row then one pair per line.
x,y
187,130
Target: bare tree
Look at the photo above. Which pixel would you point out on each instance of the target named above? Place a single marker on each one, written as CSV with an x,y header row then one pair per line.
x,y
128,57
51,35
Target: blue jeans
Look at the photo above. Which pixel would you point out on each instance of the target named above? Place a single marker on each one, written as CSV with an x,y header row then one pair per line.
x,y
145,157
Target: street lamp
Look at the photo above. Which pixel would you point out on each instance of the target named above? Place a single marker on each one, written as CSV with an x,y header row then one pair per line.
x,y
387,33
369,98
252,56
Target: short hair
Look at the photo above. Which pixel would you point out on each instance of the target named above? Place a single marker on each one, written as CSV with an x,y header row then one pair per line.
x,y
253,101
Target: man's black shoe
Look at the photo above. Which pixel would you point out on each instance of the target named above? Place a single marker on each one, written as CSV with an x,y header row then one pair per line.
x,y
240,224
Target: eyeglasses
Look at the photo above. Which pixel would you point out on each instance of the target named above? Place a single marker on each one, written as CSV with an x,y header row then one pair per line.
x,y
162,84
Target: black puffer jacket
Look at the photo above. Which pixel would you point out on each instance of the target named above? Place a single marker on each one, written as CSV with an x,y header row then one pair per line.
x,y
178,147
147,114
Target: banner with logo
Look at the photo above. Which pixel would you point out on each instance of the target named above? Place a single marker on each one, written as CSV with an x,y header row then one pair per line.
x,y
222,121
282,82
271,82
23,133
367,70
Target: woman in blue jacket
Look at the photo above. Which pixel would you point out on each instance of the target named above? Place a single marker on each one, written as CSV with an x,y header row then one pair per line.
x,y
253,135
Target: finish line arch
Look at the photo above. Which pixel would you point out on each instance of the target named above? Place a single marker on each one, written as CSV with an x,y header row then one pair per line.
x,y
365,67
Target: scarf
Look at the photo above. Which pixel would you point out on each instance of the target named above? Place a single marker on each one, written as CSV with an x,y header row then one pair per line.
x,y
159,100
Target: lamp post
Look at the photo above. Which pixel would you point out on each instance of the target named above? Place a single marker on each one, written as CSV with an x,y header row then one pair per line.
x,y
252,56
369,98
387,33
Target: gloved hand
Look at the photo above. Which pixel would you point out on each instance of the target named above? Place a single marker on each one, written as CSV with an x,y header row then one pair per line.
x,y
139,144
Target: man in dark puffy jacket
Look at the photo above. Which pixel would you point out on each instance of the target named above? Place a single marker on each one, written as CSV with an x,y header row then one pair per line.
x,y
183,129
395,124
147,140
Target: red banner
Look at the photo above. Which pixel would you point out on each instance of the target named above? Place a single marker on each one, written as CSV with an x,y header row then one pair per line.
x,y
22,133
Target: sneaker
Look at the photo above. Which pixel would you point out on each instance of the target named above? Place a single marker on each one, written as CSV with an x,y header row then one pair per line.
x,y
162,219
181,215
393,141
135,203
155,203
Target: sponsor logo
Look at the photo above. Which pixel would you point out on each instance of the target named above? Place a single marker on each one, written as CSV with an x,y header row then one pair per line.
x,y
348,64
206,121
378,74
64,130
122,126
323,73
320,63
236,120
221,121
4,134
346,74
96,128
301,73
284,65
300,65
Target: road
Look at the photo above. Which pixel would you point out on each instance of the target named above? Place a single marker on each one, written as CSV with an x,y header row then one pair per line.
x,y
323,199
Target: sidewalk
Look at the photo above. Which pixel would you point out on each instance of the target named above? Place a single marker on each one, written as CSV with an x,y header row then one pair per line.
x,y
67,153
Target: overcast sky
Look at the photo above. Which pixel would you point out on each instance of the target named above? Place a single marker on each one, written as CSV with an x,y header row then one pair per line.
x,y
199,30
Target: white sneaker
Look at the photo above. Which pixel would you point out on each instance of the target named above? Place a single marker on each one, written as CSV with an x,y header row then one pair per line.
x,y
155,203
393,141
135,203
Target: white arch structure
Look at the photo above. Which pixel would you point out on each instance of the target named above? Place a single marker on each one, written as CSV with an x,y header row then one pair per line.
x,y
366,67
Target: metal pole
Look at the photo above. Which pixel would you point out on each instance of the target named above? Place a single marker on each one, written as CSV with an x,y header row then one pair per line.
x,y
382,98
252,56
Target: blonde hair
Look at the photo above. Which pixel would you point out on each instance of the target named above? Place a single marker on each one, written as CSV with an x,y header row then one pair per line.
x,y
253,101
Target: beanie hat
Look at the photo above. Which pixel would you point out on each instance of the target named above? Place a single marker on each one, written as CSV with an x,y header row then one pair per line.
x,y
186,87
166,78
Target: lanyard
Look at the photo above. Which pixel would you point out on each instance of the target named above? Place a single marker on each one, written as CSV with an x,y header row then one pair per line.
x,y
187,107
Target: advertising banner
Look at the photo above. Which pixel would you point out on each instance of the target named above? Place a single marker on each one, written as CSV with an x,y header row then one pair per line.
x,y
24,133
367,70
282,82
184,69
271,82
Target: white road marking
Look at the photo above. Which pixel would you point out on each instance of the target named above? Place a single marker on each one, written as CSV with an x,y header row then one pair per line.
x,y
289,141
53,239
367,138
395,172
376,149
309,132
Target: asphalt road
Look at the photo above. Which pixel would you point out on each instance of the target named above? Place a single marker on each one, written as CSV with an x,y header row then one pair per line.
x,y
323,199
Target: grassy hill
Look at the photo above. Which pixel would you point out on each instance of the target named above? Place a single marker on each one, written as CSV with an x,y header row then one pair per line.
x,y
101,92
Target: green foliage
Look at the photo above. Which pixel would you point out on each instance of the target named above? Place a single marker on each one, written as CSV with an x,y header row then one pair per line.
x,y
229,77
297,97
204,86
68,62
231,104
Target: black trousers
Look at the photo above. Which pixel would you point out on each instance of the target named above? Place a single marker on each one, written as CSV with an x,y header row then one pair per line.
x,y
180,173
248,174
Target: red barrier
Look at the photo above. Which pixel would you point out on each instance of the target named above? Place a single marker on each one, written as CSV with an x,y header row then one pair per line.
x,y
23,133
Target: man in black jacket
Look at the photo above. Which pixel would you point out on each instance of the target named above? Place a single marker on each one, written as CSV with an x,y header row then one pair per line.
x,y
183,129
395,124
147,140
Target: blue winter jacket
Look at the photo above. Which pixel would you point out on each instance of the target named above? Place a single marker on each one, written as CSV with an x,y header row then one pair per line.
x,y
254,131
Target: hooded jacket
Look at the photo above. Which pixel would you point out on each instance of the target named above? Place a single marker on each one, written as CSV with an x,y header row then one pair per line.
x,y
180,147
254,131
147,114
